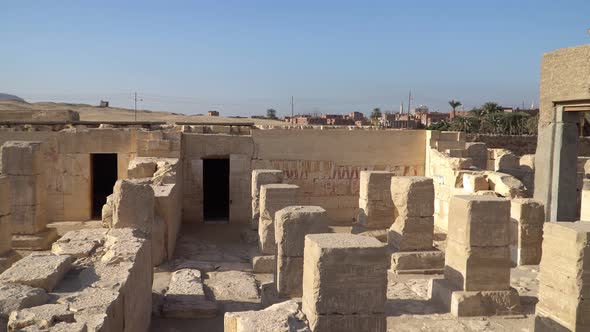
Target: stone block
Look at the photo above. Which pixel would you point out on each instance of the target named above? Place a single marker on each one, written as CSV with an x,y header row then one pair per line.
x,y
473,183
34,242
333,262
273,197
411,233
234,290
346,323
526,231
159,230
505,161
422,262
141,167
265,176
185,297
22,158
5,195
289,276
16,297
284,316
479,220
585,201
477,268
412,196
478,152
374,185
375,214
505,185
41,270
28,219
79,243
133,205
527,211
293,223
570,310
474,303
264,264
5,234
41,317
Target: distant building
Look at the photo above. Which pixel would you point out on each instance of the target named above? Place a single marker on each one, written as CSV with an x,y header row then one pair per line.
x,y
356,116
419,110
104,103
428,119
213,113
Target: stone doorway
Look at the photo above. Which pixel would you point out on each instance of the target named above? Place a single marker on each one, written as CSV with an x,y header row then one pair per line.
x,y
216,199
104,176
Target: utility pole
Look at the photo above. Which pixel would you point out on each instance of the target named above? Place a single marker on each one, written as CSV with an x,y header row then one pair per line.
x,y
135,99
409,103
292,108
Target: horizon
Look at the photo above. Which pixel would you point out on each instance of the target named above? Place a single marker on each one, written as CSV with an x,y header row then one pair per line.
x,y
241,59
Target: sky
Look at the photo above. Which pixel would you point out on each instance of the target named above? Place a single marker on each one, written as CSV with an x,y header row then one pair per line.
x,y
243,57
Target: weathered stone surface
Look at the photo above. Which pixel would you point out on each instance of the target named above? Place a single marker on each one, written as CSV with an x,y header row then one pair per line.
x,y
289,276
107,212
375,214
333,262
159,253
347,323
264,176
28,219
5,195
505,185
412,196
42,270
419,262
293,223
411,233
234,290
478,152
526,231
185,297
473,183
375,185
264,264
35,242
479,220
79,243
273,197
5,234
43,316
133,206
280,317
15,297
141,167
21,158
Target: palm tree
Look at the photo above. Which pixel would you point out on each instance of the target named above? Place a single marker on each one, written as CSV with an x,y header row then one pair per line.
x,y
491,107
375,115
454,104
477,112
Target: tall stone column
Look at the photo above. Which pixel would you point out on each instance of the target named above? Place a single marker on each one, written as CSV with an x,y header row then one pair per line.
x,y
477,259
273,197
344,283
22,162
259,178
564,303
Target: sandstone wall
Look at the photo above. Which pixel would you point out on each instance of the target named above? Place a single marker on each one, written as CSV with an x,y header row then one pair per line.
x,y
519,145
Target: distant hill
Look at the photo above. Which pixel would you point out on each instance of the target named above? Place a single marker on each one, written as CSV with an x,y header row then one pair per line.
x,y
5,96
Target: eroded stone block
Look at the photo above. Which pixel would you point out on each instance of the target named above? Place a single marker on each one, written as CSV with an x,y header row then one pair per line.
x,y
41,270
273,197
185,297
22,158
79,243
411,233
473,183
284,316
133,205
289,276
15,297
412,196
293,223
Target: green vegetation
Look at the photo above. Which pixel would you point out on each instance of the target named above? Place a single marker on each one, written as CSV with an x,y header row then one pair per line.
x,y
271,113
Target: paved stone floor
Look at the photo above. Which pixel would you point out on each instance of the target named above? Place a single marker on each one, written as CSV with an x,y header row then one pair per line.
x,y
227,247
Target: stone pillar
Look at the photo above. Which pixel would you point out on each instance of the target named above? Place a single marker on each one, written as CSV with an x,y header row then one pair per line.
x,y
563,284
7,255
344,283
375,204
477,259
273,197
585,206
412,233
22,162
259,178
292,224
526,231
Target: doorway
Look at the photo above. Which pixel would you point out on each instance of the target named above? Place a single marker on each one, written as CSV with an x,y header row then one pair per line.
x,y
216,190
104,176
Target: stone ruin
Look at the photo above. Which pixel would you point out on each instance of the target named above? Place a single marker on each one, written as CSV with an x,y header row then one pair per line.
x,y
187,226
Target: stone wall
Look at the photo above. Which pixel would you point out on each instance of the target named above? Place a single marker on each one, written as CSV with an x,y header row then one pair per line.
x,y
519,145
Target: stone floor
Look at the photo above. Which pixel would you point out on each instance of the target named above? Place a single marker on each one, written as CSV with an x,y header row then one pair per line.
x,y
217,248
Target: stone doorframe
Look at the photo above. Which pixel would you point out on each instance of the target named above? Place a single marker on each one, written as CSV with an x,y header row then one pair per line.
x,y
556,162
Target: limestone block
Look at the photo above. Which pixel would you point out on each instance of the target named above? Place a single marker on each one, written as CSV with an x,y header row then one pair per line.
x,y
264,264
22,158
413,196
411,233
5,234
273,197
133,205
141,167
505,185
477,268
16,297
5,195
506,160
39,269
418,261
265,176
375,214
478,152
347,323
42,317
28,219
159,253
289,276
473,183
456,153
293,223
185,297
79,243
280,317
479,220
526,231
234,290
585,201
107,212
333,262
168,206
487,193
374,185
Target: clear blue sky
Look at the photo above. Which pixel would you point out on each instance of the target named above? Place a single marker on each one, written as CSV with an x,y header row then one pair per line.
x,y
242,57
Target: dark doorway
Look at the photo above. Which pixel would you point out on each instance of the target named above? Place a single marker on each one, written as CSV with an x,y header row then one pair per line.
x,y
104,176
216,190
